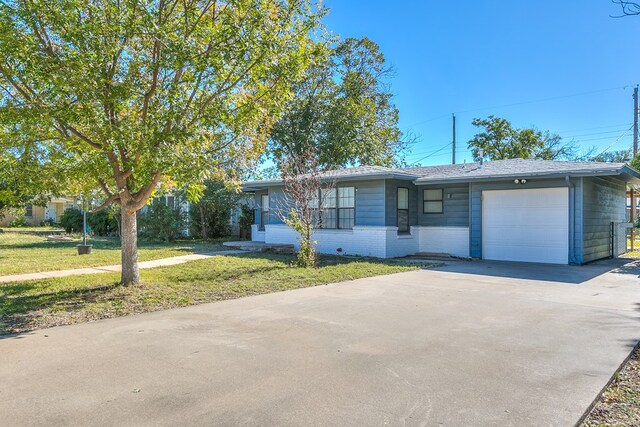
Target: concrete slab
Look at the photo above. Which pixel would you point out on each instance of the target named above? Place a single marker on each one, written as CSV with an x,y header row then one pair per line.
x,y
460,345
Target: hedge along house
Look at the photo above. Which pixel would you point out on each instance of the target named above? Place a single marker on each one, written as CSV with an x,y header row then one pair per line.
x,y
513,210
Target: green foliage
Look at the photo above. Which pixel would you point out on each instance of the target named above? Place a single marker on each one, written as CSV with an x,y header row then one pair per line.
x,y
635,162
71,220
306,256
247,217
162,222
124,95
343,109
104,222
210,216
19,218
620,156
499,141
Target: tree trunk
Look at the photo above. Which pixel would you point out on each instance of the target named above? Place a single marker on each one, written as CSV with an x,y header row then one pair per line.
x,y
129,244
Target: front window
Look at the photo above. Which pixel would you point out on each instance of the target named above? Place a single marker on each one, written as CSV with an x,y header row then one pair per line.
x,y
432,200
264,211
171,201
335,207
28,210
403,210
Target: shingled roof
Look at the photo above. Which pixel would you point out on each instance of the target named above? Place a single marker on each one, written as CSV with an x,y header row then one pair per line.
x,y
497,169
512,168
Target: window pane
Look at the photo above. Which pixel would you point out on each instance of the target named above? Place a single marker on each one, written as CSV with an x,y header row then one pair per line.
x,y
433,207
328,197
403,198
433,194
314,200
328,218
171,201
347,218
403,221
346,197
265,202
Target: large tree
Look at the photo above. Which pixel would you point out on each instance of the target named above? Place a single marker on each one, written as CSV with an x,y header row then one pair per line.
x,y
129,94
499,140
620,156
343,109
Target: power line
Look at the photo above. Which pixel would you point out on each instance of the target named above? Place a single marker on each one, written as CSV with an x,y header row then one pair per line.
x,y
596,128
545,99
435,152
614,142
532,101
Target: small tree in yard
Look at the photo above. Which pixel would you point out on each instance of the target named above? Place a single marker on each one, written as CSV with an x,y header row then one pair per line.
x,y
301,205
123,96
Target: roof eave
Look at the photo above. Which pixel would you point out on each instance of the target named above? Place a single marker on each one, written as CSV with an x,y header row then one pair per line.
x,y
263,185
502,177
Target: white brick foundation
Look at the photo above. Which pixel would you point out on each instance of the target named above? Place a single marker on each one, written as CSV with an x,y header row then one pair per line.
x,y
375,241
446,240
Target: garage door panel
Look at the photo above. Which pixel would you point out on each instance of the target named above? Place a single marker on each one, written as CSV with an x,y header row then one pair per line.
x,y
526,225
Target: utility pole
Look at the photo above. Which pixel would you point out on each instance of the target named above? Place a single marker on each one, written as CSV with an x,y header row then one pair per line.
x,y
453,155
632,196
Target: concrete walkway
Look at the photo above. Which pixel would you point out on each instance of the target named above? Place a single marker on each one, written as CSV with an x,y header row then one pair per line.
x,y
163,262
470,344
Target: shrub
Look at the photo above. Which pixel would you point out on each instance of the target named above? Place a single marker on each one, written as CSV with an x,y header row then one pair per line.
x,y
210,217
161,222
247,218
71,220
105,221
19,221
48,222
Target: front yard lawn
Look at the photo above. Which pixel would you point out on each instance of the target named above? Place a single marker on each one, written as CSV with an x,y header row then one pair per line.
x,y
29,253
619,405
39,304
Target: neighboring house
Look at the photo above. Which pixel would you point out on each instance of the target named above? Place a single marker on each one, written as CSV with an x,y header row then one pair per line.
x,y
37,215
515,210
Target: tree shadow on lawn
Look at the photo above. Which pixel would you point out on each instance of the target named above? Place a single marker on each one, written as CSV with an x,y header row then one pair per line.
x,y
17,312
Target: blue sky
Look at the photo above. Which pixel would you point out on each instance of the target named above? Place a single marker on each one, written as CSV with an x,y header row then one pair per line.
x,y
477,58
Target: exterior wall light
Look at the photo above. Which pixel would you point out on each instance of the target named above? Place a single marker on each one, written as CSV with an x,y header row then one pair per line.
x,y
519,181
516,181
523,181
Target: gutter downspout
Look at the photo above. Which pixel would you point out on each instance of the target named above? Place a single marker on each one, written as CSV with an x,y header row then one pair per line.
x,y
572,221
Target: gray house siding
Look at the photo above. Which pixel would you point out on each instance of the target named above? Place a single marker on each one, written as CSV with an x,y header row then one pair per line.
x,y
475,217
455,206
391,201
370,201
604,202
369,210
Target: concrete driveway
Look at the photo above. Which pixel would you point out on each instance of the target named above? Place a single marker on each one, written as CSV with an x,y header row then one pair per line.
x,y
473,343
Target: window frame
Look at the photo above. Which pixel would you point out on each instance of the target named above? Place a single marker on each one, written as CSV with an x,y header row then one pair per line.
x,y
398,210
28,210
425,200
264,211
337,210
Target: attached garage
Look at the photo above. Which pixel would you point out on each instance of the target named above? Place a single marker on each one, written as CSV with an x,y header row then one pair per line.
x,y
529,225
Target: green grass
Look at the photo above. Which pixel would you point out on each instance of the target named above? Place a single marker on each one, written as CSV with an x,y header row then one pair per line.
x,y
28,253
619,405
39,304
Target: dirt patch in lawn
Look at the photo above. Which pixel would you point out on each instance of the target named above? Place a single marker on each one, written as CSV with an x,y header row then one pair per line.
x,y
619,404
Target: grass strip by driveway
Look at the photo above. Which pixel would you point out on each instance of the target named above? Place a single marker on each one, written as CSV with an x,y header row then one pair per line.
x,y
61,301
28,253
619,404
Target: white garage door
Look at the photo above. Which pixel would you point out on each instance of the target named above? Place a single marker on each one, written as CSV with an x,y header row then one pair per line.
x,y
526,225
